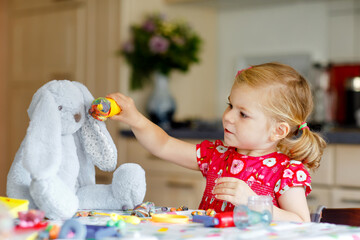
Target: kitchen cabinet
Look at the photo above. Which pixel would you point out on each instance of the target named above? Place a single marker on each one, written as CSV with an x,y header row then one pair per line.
x,y
337,182
41,4
167,183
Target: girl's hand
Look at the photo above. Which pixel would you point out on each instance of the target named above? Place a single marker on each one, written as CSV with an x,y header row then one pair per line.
x,y
129,113
232,190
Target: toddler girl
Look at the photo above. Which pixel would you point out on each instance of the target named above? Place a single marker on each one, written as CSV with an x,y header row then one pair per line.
x,y
267,146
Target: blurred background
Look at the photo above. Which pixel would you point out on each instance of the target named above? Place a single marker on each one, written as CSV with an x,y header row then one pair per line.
x,y
41,40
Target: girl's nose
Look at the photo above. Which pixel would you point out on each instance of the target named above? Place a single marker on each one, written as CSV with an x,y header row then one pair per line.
x,y
228,116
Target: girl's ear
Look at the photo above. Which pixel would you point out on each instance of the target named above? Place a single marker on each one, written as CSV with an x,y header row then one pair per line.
x,y
280,131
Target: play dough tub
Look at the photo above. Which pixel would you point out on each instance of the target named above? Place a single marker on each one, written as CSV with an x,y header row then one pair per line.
x,y
15,205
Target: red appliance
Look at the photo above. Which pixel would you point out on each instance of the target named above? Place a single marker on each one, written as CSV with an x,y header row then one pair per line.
x,y
338,76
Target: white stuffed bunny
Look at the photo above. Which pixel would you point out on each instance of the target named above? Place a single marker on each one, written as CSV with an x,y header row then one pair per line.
x,y
54,166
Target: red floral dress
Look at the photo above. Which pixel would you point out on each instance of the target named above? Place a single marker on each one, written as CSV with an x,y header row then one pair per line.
x,y
271,174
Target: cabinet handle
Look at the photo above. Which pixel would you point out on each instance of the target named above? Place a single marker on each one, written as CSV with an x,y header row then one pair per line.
x,y
346,200
174,184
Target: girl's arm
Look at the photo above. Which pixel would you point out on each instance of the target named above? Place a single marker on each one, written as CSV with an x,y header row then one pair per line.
x,y
293,205
152,137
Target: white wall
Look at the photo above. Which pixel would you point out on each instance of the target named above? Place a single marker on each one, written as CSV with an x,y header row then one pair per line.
x,y
269,30
194,91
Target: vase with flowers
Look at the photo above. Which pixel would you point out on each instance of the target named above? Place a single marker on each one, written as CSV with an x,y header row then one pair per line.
x,y
158,46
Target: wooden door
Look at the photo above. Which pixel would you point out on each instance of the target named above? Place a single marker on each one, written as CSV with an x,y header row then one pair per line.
x,y
45,44
74,40
4,164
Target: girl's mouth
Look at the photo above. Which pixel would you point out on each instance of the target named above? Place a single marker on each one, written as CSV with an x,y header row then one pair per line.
x,y
227,131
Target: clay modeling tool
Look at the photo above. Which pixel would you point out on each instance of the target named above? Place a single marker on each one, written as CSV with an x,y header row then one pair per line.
x,y
169,218
103,108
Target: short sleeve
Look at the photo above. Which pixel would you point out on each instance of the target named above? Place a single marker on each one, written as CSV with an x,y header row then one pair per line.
x,y
204,153
294,175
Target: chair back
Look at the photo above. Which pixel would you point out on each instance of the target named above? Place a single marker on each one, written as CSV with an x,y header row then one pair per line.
x,y
345,216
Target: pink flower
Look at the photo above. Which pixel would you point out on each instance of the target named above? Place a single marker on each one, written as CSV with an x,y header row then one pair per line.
x,y
237,166
128,47
288,173
204,167
158,44
149,26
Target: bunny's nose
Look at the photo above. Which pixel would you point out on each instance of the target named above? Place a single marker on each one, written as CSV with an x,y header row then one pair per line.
x,y
77,117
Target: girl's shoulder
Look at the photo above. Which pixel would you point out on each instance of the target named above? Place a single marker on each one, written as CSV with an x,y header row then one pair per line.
x,y
286,162
217,144
208,148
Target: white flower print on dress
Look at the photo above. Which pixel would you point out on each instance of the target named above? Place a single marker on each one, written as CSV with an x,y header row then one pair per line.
x,y
295,162
301,176
251,179
269,162
237,166
275,169
288,173
198,154
277,186
284,189
221,149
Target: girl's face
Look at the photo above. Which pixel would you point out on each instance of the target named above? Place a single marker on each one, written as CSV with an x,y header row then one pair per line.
x,y
246,126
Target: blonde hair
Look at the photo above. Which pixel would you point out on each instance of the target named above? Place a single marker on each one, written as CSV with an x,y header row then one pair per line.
x,y
289,100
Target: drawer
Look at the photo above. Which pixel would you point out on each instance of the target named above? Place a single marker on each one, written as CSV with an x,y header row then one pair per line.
x,y
44,5
344,198
324,174
347,165
138,154
174,190
319,196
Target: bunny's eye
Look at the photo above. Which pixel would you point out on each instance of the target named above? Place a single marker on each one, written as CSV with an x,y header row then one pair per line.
x,y
60,108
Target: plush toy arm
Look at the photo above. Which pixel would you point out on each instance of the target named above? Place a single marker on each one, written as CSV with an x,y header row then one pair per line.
x,y
54,197
98,144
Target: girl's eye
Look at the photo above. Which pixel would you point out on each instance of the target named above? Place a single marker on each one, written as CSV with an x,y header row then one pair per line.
x,y
60,108
243,115
230,105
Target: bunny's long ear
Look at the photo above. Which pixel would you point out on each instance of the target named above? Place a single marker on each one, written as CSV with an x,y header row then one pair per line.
x,y
96,140
42,143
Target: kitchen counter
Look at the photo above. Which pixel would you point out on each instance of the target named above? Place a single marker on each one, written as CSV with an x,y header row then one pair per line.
x,y
335,136
335,184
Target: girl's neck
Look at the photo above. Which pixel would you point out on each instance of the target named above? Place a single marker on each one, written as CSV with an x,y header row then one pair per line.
x,y
257,152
